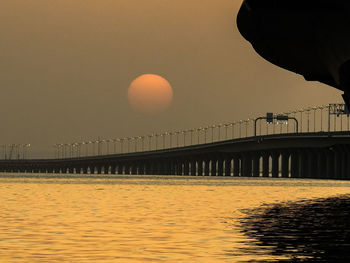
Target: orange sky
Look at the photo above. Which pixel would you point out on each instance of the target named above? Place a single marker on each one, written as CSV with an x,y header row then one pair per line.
x,y
66,67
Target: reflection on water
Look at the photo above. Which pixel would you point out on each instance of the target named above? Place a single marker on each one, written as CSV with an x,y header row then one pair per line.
x,y
308,231
161,219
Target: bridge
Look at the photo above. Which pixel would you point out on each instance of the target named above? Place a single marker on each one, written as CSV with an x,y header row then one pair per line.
x,y
306,143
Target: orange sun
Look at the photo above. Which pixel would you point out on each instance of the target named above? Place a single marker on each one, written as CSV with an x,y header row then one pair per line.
x,y
150,94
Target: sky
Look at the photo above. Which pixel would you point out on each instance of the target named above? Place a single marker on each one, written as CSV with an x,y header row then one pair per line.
x,y
65,68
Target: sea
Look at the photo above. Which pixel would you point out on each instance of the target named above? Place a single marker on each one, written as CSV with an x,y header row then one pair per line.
x,y
113,218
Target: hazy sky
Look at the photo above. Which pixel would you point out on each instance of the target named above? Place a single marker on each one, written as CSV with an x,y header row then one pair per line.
x,y
65,67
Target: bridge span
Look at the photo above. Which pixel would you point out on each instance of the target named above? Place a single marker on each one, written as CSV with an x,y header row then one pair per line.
x,y
292,155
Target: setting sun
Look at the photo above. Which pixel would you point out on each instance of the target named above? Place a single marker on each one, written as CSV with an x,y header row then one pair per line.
x,y
150,94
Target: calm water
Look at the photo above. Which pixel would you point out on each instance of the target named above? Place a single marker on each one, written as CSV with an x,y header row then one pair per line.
x,y
172,219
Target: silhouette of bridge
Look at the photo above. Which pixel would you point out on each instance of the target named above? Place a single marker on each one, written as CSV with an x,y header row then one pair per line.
x,y
306,143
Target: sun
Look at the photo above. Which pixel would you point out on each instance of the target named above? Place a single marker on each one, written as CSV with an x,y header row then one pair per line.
x,y
150,94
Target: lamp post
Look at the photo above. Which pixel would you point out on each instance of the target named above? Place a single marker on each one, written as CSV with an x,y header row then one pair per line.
x,y
108,141
321,109
135,142
212,132
246,127
240,128
122,144
156,135
163,137
27,147
191,132
60,151
198,133
184,136
205,133
232,125
128,139
55,146
226,128
142,138
150,142
219,131
301,119
171,139
177,138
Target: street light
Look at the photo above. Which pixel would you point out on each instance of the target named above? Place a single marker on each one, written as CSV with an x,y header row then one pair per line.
x,y
142,138
150,142
226,128
240,128
135,142
163,136
219,127
198,133
191,132
184,136
212,132
27,147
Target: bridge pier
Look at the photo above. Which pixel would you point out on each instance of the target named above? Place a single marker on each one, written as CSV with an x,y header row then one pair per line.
x,y
265,165
220,162
193,167
344,164
321,164
348,162
294,166
330,164
337,163
113,169
213,167
310,169
285,164
133,168
228,166
275,164
206,167
236,166
256,165
200,167
246,165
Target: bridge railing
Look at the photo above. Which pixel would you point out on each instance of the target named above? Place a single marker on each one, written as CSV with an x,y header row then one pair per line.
x,y
325,118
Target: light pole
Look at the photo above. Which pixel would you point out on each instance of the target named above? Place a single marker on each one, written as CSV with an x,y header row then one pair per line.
x,y
150,142
226,128
205,133
156,135
240,128
321,109
212,132
27,147
122,144
108,141
128,138
191,132
163,137
142,138
198,133
60,151
184,136
246,127
55,146
219,131
171,139
177,138
135,142
233,130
